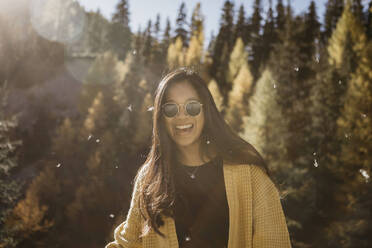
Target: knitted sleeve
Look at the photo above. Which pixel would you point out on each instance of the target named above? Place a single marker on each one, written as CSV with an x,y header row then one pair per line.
x,y
269,224
127,234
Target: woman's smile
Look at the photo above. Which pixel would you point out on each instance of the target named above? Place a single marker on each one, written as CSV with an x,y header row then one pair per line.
x,y
184,129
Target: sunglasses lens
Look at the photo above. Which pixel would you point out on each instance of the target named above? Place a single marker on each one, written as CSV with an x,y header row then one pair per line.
x,y
193,108
170,110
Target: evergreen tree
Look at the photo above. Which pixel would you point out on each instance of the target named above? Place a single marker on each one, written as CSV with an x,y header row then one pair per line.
x,y
166,38
239,29
293,90
266,127
9,188
137,43
357,10
148,45
104,70
280,17
96,31
157,27
119,34
256,38
129,96
95,196
268,36
181,22
195,50
307,38
328,98
369,20
355,135
222,48
29,217
311,33
333,11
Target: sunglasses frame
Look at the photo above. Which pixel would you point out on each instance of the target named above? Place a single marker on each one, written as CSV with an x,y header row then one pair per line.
x,y
184,108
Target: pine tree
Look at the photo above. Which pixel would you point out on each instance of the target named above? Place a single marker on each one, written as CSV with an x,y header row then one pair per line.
x,y
96,31
181,22
157,27
195,50
280,17
95,197
166,40
9,188
369,20
311,32
265,127
256,38
239,29
354,132
293,91
148,44
222,48
328,98
119,34
333,11
269,35
104,70
28,219
357,10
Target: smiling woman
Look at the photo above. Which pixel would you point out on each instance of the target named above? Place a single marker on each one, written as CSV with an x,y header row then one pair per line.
x,y
201,185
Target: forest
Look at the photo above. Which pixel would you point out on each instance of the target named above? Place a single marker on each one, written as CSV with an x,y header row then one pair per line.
x,y
76,95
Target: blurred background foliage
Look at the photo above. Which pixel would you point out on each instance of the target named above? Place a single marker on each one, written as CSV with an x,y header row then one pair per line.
x,y
76,93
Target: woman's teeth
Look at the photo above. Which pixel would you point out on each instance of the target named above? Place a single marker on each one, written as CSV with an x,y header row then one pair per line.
x,y
183,127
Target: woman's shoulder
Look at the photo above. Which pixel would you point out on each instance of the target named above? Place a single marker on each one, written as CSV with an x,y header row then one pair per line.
x,y
244,166
255,172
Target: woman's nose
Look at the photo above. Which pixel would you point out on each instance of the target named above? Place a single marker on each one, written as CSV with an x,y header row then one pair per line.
x,y
182,111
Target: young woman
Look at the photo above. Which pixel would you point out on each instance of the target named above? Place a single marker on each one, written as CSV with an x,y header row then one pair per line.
x,y
201,185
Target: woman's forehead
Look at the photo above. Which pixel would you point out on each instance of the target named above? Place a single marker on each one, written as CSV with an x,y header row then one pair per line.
x,y
181,91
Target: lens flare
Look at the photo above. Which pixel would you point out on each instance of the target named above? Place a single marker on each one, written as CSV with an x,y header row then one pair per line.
x,y
57,20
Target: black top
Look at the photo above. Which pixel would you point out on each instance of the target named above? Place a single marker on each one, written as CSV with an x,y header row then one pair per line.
x,y
201,209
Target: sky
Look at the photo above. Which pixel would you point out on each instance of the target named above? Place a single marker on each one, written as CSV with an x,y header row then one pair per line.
x,y
143,10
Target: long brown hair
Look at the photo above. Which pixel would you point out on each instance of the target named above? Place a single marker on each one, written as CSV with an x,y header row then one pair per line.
x,y
157,190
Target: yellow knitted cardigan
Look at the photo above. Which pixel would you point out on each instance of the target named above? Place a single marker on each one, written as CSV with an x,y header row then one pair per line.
x,y
256,218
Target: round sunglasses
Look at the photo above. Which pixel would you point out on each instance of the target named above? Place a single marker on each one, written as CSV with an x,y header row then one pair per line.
x,y
192,108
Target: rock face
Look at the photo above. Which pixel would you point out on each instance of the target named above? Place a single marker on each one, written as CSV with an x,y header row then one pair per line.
x,y
57,96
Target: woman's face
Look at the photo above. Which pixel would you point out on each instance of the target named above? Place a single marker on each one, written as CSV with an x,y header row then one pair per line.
x,y
181,93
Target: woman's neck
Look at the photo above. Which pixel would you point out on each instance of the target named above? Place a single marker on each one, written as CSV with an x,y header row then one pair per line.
x,y
189,155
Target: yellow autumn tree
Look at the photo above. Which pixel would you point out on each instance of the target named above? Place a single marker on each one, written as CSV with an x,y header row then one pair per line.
x,y
215,91
348,27
238,98
238,59
176,54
